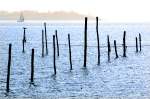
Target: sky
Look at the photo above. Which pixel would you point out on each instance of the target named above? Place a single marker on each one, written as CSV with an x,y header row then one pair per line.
x,y
107,10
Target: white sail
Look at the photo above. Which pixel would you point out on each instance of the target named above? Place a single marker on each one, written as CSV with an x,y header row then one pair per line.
x,y
21,18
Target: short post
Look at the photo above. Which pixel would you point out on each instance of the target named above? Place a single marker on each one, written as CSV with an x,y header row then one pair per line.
x,y
124,44
85,42
57,42
32,66
70,52
109,50
23,42
8,69
54,56
136,44
115,45
140,41
24,34
24,39
98,45
46,38
42,43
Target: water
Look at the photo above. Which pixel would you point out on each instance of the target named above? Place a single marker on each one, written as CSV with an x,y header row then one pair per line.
x,y
121,77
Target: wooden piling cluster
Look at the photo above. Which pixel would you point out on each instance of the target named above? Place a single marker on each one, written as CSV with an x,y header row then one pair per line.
x,y
55,42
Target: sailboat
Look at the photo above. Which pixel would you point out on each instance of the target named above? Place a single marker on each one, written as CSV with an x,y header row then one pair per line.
x,y
21,18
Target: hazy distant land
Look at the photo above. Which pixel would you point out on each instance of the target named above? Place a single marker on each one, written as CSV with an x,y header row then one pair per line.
x,y
33,15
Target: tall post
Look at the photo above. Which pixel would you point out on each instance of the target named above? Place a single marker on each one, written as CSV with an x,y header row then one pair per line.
x,y
140,41
8,69
70,52
46,38
85,43
57,42
54,56
136,44
32,66
124,44
108,44
115,45
42,43
98,45
24,34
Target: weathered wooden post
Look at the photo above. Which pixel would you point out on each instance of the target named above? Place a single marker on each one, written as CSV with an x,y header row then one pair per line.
x,y
109,49
46,38
57,42
8,69
32,66
124,44
54,61
115,45
42,43
24,34
136,44
69,52
85,42
98,45
140,41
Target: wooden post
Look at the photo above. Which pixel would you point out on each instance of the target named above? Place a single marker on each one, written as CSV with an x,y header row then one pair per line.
x,y
8,70
24,35
140,41
115,45
23,46
54,62
46,38
42,43
124,44
85,42
24,39
98,45
136,44
57,42
70,52
32,66
108,44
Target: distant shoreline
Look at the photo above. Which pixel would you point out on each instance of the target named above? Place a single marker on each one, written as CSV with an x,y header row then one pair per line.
x,y
34,15
55,21
70,21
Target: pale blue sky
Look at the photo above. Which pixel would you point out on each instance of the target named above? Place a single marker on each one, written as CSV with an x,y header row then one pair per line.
x,y
108,10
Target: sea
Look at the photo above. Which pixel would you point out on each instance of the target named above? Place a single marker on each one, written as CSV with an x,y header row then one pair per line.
x,y
120,77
